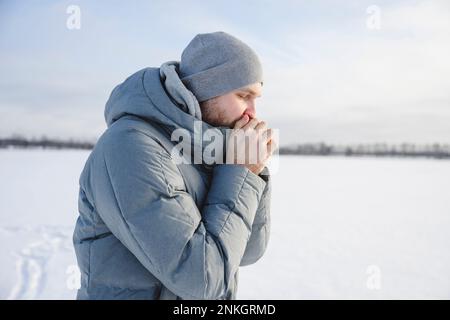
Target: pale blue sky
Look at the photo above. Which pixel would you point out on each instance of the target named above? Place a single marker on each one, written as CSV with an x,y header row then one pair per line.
x,y
328,77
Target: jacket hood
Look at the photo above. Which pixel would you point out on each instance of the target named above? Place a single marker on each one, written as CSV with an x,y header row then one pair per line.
x,y
155,95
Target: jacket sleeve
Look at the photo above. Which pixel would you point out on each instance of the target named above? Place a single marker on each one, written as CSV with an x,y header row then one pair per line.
x,y
260,235
144,203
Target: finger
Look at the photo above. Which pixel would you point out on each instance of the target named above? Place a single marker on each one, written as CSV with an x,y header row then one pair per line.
x,y
271,147
265,150
241,122
251,124
261,125
267,135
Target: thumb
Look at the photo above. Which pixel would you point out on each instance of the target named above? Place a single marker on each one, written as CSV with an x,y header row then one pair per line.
x,y
241,122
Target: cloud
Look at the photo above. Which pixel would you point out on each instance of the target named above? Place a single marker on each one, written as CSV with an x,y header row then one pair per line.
x,y
362,82
327,76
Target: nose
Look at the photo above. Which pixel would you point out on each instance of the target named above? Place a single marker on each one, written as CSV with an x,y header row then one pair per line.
x,y
251,111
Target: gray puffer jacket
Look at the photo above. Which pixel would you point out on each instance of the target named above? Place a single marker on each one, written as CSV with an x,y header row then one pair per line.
x,y
151,229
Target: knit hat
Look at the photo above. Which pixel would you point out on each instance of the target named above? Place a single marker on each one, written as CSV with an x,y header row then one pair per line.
x,y
216,63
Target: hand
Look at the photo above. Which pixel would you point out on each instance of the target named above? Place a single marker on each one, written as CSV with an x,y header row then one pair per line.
x,y
254,154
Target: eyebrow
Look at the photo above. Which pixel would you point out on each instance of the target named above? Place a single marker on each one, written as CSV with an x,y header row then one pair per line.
x,y
248,90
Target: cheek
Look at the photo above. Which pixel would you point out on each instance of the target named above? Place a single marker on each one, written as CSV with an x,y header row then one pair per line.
x,y
231,109
237,107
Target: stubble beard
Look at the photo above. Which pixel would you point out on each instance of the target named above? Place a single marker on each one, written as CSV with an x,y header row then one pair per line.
x,y
213,115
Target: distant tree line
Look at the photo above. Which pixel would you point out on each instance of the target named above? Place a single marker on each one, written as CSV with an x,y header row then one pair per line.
x,y
44,142
435,150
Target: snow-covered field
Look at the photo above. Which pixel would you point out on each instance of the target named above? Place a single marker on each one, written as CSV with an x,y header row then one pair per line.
x,y
341,228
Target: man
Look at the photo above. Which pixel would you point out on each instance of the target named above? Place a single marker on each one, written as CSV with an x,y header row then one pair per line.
x,y
152,228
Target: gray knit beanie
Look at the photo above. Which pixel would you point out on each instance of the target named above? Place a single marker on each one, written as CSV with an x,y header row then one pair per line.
x,y
216,63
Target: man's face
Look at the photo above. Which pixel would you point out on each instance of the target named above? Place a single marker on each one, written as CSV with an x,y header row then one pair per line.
x,y
226,109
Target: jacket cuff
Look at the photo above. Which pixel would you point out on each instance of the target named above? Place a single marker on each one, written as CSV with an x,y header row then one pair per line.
x,y
265,174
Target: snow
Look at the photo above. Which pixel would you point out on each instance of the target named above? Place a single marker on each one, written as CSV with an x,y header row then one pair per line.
x,y
342,228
